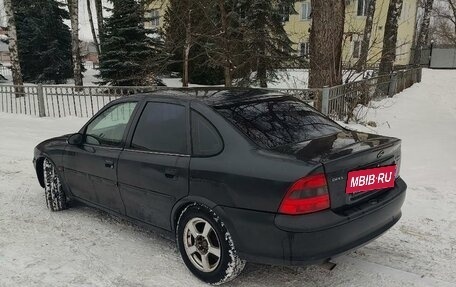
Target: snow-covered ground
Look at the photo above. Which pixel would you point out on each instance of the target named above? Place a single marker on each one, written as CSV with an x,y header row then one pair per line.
x,y
286,79
85,247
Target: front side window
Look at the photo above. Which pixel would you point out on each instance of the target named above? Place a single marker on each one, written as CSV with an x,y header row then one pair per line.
x,y
109,127
206,140
272,123
161,128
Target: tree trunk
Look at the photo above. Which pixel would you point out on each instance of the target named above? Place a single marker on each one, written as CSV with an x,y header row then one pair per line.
x,y
326,38
423,33
99,11
225,43
73,7
362,63
453,10
187,46
14,54
390,37
92,27
262,73
261,69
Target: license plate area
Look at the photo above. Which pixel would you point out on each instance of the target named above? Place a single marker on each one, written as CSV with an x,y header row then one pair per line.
x,y
360,181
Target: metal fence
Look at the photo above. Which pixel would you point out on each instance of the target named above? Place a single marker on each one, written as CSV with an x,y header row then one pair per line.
x,y
5,71
62,101
339,102
437,57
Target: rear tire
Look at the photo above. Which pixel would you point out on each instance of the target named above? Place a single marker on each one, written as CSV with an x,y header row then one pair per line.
x,y
55,195
206,246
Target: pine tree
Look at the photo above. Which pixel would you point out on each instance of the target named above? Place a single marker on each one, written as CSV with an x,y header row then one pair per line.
x,y
128,54
189,26
267,43
44,41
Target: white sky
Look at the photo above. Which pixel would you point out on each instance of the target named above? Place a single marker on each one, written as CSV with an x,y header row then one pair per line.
x,y
85,33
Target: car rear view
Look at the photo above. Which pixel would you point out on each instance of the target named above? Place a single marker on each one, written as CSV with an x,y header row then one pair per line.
x,y
351,194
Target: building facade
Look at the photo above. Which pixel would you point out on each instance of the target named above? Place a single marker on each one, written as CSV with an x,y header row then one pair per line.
x,y
4,49
298,28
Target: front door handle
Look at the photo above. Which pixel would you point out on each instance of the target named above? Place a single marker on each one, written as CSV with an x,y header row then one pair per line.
x,y
171,173
109,164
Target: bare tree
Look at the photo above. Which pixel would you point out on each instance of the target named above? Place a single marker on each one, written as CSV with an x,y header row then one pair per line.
x,y
73,7
12,34
225,43
444,26
423,32
390,37
361,65
452,4
187,45
99,11
92,27
326,37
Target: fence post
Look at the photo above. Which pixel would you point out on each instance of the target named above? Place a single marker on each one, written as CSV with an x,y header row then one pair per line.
x,y
325,100
40,94
392,88
419,73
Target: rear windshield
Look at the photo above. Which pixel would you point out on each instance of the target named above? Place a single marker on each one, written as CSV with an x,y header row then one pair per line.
x,y
271,123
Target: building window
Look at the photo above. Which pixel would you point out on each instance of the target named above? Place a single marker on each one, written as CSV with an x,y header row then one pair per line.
x,y
362,7
284,11
153,16
305,10
357,49
304,49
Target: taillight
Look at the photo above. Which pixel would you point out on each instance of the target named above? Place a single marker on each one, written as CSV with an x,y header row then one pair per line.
x,y
308,194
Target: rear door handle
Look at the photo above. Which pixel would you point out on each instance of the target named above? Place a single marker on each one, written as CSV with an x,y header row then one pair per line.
x,y
109,164
171,173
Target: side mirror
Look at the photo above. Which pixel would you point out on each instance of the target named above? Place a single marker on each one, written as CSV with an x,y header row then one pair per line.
x,y
75,139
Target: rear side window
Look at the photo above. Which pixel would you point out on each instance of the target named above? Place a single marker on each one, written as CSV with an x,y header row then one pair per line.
x,y
206,140
161,128
271,123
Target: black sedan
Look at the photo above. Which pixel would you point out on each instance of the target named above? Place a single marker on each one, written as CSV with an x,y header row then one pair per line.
x,y
233,176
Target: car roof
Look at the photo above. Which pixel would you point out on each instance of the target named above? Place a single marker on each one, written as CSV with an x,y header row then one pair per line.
x,y
211,96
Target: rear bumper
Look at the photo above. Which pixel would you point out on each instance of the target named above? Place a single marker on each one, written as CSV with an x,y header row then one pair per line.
x,y
307,239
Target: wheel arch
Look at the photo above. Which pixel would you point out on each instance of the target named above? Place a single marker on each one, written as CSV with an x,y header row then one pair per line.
x,y
39,170
183,203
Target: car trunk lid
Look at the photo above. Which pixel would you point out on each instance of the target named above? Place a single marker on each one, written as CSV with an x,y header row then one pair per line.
x,y
343,152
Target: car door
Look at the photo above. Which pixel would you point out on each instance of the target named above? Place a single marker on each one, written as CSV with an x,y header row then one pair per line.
x,y
91,168
153,169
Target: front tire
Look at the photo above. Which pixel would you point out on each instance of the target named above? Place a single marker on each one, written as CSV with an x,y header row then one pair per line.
x,y
206,246
53,189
